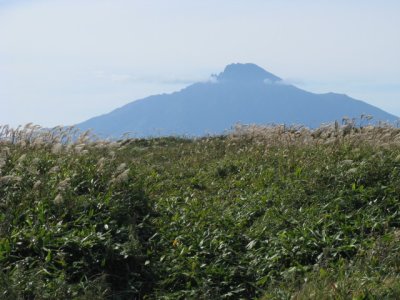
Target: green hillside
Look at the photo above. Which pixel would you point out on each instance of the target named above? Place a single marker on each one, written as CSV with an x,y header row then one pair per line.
x,y
260,213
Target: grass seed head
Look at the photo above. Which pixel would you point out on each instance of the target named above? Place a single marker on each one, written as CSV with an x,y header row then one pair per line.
x,y
64,185
123,177
57,148
121,168
54,170
9,179
2,162
58,199
37,185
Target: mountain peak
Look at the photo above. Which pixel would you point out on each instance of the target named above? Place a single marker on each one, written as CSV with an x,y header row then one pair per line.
x,y
239,95
245,73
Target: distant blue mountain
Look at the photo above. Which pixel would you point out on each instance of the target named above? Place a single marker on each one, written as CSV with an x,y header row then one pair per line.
x,y
242,93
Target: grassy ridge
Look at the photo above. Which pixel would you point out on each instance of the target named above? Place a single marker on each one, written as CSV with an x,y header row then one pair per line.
x,y
268,213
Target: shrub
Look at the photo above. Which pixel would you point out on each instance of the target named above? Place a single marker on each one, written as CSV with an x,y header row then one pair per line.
x,y
72,224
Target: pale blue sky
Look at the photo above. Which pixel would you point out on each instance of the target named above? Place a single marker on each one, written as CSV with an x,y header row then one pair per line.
x,y
63,61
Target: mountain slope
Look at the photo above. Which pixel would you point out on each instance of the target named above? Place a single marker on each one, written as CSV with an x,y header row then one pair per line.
x,y
243,93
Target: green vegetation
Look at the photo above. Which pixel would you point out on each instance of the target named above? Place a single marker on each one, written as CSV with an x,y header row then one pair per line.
x,y
264,213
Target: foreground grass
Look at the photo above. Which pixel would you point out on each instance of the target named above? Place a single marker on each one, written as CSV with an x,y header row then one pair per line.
x,y
269,213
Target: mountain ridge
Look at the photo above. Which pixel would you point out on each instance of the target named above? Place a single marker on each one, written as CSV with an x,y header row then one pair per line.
x,y
242,93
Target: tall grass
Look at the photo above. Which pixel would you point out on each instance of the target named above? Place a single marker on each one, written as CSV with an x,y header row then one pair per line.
x,y
262,212
72,220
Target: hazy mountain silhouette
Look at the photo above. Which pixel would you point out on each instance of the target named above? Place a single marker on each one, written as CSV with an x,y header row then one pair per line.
x,y
242,93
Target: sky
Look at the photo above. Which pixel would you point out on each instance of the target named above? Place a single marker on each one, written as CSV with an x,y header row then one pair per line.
x,y
64,61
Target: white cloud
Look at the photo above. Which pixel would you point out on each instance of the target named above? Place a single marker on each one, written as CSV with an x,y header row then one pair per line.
x,y
282,82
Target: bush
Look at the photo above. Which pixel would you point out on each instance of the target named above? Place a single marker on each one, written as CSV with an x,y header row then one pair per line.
x,y
73,223
269,213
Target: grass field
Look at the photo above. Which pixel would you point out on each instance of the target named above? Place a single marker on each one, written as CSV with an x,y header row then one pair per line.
x,y
259,213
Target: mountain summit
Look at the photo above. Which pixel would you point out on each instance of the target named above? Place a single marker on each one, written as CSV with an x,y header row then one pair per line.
x,y
242,93
246,73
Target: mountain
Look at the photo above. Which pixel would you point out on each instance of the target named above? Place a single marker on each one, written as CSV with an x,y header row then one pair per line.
x,y
242,93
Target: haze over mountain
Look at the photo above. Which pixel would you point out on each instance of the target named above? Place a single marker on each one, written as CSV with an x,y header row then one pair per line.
x,y
242,93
